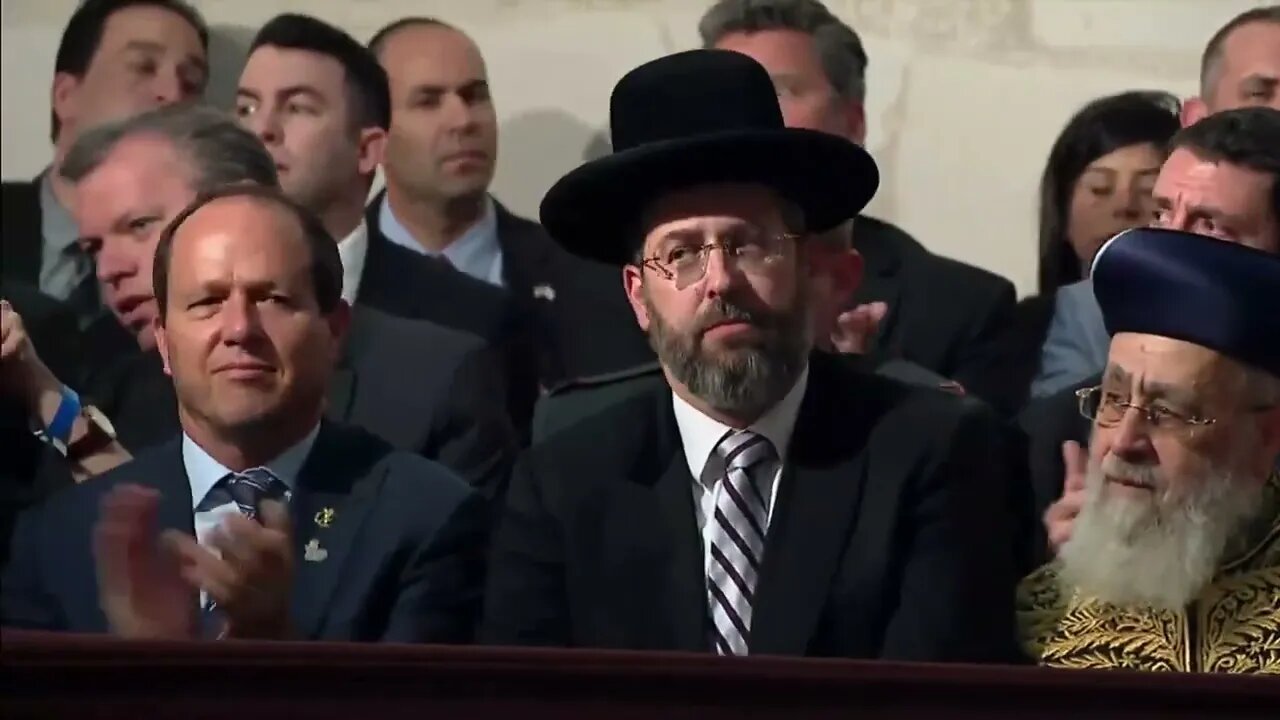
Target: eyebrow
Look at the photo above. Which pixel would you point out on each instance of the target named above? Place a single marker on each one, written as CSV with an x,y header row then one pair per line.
x,y
436,88
1165,391
285,92
1266,81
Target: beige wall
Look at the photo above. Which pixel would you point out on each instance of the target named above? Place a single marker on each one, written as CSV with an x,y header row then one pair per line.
x,y
965,96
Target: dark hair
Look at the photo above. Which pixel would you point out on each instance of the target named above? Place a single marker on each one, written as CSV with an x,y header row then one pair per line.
x,y
380,38
1247,137
844,60
1212,56
1101,127
326,264
83,35
219,151
367,90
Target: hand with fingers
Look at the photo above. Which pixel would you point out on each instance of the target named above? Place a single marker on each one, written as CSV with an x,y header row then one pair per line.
x,y
1060,518
140,585
856,329
247,570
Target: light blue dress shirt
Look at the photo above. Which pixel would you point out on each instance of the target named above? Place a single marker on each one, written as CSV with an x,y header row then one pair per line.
x,y
476,252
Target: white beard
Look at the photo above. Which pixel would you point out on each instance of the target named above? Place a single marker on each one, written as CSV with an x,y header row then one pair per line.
x,y
1156,552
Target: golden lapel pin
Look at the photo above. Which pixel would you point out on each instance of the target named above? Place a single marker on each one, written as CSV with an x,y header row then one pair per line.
x,y
324,518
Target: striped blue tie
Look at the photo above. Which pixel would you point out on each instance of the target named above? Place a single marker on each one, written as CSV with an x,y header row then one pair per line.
x,y
736,538
247,490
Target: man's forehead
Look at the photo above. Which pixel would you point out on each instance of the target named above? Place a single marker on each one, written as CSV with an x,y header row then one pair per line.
x,y
150,24
1163,359
289,66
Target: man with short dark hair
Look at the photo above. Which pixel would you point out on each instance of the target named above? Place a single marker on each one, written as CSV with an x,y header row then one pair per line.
x,y
133,177
262,520
116,59
945,316
441,153
1240,69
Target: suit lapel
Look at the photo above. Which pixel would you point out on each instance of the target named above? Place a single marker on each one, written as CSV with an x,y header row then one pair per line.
x,y
336,490
882,277
822,485
23,237
683,600
344,381
525,266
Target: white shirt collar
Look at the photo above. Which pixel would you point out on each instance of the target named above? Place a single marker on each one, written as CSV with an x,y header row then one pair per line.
x,y
353,249
701,434
203,472
475,252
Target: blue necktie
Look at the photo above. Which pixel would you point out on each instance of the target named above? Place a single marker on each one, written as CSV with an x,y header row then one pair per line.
x,y
247,490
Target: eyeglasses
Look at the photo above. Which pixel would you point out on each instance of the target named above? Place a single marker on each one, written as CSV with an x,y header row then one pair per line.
x,y
1107,409
751,252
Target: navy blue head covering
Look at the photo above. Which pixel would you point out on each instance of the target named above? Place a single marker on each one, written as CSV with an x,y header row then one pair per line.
x,y
1213,293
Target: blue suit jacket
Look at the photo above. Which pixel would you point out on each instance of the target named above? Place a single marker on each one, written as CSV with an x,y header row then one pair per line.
x,y
404,559
1077,343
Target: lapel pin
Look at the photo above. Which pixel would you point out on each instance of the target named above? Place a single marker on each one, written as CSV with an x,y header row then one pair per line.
x,y
312,552
324,518
544,292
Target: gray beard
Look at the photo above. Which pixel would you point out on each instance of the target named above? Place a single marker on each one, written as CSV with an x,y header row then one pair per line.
x,y
745,380
1161,553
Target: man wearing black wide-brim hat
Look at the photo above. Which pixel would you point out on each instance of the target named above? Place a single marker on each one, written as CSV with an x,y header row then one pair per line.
x,y
1174,559
766,499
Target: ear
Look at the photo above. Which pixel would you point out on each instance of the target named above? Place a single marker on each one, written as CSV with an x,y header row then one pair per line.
x,y
633,283
846,275
339,322
372,147
162,343
63,97
1194,110
855,120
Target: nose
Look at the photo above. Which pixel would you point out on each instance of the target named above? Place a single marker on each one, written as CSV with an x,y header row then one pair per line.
x,y
718,277
264,123
1129,204
239,319
1130,439
167,87
112,264
461,115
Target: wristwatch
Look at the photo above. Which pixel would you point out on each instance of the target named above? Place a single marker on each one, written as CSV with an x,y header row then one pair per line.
x,y
99,432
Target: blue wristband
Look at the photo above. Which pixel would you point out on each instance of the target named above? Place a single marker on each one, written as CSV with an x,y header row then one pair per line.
x,y
68,410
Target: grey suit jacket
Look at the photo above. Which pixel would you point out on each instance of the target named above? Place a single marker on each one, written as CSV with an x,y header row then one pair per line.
x,y
1077,343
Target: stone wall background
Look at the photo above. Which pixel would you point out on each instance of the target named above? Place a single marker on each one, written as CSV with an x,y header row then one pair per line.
x,y
965,96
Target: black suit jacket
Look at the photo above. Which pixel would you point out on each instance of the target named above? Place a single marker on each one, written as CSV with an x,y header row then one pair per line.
x,y
21,234
943,315
585,324
405,549
891,536
423,388
1048,422
52,328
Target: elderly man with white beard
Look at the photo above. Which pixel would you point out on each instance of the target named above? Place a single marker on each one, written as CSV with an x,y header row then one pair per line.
x,y
1174,561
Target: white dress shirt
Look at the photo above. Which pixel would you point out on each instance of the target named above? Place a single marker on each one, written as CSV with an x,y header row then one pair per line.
x,y
353,249
701,434
476,252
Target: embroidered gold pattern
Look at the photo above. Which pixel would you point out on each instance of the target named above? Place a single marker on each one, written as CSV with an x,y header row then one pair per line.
x,y
1234,626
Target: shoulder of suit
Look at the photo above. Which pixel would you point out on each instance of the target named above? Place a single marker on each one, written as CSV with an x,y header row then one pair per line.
x,y
637,372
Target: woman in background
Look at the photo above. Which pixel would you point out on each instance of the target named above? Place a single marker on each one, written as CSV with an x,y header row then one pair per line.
x,y
1097,182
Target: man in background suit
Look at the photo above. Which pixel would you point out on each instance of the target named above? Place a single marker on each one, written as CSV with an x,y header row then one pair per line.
x,y
263,521
116,59
946,316
1239,69
1221,179
422,387
768,500
441,152
320,103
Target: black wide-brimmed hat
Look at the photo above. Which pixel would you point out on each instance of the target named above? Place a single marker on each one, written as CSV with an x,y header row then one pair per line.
x,y
697,117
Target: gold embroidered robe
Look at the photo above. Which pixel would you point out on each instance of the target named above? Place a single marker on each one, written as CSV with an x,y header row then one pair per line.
x,y
1232,626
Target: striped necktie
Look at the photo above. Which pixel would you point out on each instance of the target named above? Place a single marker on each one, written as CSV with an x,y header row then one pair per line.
x,y
247,490
736,539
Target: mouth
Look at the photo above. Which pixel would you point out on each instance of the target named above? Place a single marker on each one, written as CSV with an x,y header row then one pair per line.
x,y
466,156
1131,483
244,369
129,308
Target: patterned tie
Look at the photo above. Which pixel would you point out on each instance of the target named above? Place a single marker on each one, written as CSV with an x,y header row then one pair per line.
x,y
736,538
247,490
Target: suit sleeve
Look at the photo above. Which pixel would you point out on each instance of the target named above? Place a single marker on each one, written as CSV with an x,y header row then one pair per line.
x,y
24,603
439,593
526,599
1066,357
474,436
961,554
990,354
